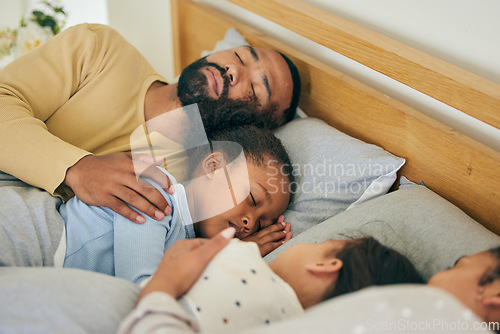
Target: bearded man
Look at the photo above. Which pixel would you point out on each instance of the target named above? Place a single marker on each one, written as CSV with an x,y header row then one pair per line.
x,y
68,108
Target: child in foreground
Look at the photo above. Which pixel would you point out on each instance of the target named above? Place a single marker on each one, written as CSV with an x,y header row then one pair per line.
x,y
98,239
238,290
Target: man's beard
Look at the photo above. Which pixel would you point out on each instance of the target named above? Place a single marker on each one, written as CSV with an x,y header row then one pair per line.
x,y
223,112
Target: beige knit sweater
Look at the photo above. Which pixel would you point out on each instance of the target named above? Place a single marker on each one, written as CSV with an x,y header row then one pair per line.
x,y
81,92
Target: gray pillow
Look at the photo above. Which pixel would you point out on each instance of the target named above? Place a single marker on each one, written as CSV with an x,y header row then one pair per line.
x,y
429,230
55,300
333,171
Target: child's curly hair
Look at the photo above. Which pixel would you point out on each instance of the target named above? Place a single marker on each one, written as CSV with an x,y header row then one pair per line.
x,y
259,145
367,262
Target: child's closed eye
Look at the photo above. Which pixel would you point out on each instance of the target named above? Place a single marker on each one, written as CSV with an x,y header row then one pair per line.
x,y
255,204
253,199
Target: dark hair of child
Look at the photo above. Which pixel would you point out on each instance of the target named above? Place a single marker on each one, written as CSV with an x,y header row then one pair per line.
x,y
366,262
260,146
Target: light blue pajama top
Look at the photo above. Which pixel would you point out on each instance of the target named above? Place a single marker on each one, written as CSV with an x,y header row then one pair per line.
x,y
98,239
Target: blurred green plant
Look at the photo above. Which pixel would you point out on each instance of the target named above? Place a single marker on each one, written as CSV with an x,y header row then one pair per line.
x,y
36,27
46,20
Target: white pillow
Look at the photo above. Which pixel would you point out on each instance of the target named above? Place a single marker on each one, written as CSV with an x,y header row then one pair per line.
x,y
385,309
333,171
232,39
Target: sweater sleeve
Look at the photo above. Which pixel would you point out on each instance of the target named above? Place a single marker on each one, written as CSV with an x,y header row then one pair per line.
x,y
32,89
158,313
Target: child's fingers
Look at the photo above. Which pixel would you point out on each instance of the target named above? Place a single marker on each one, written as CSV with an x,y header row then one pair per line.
x,y
270,229
269,247
273,237
288,227
278,227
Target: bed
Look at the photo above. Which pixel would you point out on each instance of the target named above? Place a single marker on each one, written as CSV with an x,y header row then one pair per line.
x,y
451,164
446,205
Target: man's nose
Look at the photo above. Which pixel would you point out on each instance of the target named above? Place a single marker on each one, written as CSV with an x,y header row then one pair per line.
x,y
235,74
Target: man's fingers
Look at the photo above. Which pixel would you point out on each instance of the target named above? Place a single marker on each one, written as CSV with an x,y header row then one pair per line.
x,y
141,203
122,209
159,177
147,199
146,158
146,166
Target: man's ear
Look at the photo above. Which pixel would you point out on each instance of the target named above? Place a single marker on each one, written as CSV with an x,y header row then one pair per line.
x,y
211,163
326,267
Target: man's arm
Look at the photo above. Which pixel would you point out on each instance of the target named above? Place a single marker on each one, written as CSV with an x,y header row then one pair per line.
x,y
159,313
32,89
111,181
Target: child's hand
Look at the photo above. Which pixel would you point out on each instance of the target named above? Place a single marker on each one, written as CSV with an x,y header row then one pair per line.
x,y
183,263
271,237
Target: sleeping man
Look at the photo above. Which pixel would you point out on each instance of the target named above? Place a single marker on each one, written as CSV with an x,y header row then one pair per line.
x,y
68,108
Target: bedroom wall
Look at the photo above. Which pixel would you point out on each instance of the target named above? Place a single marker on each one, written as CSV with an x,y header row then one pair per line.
x,y
11,13
79,11
462,32
146,24
90,11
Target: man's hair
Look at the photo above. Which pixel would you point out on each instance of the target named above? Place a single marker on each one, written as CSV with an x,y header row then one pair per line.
x,y
494,273
258,145
289,113
367,262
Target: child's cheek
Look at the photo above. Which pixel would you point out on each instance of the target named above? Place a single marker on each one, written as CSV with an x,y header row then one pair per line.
x,y
210,228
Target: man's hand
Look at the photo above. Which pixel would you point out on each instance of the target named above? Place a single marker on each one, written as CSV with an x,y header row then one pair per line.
x,y
111,181
184,262
271,237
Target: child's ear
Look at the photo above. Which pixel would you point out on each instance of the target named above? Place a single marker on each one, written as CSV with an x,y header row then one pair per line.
x,y
211,163
492,297
326,267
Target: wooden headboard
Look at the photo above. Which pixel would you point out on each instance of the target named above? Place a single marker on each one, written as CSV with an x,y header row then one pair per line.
x,y
460,169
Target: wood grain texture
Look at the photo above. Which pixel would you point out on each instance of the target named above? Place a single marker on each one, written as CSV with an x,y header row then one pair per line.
x,y
456,167
176,38
465,91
